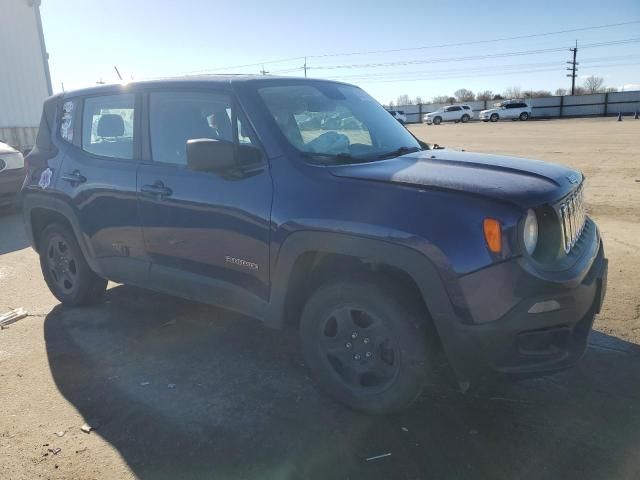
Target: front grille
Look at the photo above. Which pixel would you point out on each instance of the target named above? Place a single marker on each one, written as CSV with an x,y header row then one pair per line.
x,y
573,217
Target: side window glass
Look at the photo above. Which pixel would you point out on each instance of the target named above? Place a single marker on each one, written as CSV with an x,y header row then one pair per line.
x,y
175,117
244,135
67,120
107,125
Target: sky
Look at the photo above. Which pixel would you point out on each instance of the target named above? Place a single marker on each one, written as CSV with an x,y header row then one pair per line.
x,y
149,39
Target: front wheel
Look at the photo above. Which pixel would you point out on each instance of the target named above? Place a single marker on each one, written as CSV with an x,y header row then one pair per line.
x,y
365,346
465,118
524,116
437,120
65,269
494,117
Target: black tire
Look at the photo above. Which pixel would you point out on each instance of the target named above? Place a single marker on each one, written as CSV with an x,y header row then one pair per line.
x,y
524,116
465,118
437,120
494,117
366,345
65,269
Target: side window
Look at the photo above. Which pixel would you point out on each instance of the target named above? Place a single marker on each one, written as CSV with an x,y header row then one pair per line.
x,y
467,107
107,125
244,135
175,117
67,120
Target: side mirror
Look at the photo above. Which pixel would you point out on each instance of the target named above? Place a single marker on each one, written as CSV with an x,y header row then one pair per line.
x,y
208,155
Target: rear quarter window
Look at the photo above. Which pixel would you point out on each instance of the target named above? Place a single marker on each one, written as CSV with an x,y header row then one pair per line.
x,y
108,125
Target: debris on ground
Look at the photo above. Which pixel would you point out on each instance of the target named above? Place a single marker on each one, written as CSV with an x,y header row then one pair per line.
x,y
55,451
12,316
171,385
404,429
60,433
144,384
377,457
86,428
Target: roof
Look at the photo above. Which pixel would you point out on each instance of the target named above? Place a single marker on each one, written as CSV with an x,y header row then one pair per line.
x,y
192,80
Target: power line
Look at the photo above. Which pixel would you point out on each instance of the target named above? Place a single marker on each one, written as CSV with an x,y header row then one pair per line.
x,y
476,42
466,58
458,44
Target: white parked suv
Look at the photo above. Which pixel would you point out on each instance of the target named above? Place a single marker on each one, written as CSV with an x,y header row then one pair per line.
x,y
452,113
513,109
399,115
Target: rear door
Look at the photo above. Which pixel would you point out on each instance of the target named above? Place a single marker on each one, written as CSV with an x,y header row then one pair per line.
x,y
98,177
207,234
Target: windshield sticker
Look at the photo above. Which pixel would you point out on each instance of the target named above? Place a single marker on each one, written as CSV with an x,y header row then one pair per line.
x,y
45,178
66,126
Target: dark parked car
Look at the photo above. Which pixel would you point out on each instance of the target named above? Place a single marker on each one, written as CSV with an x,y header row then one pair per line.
x,y
11,174
386,254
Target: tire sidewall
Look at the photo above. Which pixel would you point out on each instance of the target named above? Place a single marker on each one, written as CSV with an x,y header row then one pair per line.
x,y
524,116
437,120
403,325
85,277
494,117
465,118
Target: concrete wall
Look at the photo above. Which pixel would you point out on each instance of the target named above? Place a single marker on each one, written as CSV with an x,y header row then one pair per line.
x,y
24,82
550,107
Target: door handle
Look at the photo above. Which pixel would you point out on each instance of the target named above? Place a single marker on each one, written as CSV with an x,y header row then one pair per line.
x,y
74,177
157,190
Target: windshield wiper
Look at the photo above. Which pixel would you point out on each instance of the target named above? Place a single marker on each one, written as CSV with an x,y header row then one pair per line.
x,y
398,152
339,157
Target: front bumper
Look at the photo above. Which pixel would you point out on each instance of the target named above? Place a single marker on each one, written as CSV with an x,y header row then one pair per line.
x,y
521,344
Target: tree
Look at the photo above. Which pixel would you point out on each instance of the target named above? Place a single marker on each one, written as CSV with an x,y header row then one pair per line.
x,y
464,95
440,99
513,92
451,100
497,96
486,95
390,103
419,100
537,94
594,84
404,100
561,92
611,90
580,91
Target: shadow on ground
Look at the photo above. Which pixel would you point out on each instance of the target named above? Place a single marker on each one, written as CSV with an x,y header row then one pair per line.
x,y
244,407
12,234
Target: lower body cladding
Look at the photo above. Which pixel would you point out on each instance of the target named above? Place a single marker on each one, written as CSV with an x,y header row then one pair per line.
x,y
10,184
542,334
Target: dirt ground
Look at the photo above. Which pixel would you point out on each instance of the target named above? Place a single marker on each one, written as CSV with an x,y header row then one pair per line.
x,y
182,390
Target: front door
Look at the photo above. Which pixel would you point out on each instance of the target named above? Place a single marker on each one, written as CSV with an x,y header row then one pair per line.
x,y
207,234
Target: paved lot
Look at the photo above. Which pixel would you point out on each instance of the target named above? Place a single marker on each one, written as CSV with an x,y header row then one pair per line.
x,y
243,406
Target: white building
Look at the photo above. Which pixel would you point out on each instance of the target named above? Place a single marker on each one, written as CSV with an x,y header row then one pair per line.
x,y
24,71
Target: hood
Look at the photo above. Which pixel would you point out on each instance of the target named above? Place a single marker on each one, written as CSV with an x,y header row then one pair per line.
x,y
525,183
4,148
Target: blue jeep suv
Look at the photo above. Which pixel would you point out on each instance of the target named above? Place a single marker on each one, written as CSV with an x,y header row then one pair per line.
x,y
303,202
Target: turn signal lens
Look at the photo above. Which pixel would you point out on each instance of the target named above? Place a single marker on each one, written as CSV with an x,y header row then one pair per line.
x,y
493,234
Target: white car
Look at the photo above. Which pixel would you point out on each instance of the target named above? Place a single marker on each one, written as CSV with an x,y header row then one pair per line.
x,y
452,113
399,115
512,109
11,174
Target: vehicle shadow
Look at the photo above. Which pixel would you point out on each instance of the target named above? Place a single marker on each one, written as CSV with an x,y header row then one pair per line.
x,y
12,234
228,398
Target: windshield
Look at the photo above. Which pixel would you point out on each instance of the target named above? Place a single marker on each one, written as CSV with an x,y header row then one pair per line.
x,y
336,123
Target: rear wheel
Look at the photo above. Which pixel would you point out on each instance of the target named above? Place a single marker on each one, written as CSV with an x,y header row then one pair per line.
x,y
65,269
437,120
465,118
524,116
494,117
365,346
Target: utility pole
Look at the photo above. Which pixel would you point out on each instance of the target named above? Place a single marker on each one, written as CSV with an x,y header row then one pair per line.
x,y
118,72
305,67
263,71
573,68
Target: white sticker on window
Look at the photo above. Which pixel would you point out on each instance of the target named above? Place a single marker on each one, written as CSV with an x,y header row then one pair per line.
x,y
45,178
66,128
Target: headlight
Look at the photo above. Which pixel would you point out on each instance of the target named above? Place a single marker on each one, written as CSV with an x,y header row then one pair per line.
x,y
530,232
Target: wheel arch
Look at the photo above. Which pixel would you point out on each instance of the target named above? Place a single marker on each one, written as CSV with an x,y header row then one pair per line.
x,y
41,210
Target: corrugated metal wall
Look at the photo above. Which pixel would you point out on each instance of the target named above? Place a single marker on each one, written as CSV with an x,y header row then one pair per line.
x,y
23,74
551,107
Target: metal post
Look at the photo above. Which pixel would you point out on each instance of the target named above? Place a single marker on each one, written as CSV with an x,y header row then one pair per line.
x,y
561,105
606,104
419,113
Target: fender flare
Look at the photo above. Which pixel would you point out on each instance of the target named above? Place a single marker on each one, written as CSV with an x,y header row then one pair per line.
x,y
420,268
34,200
